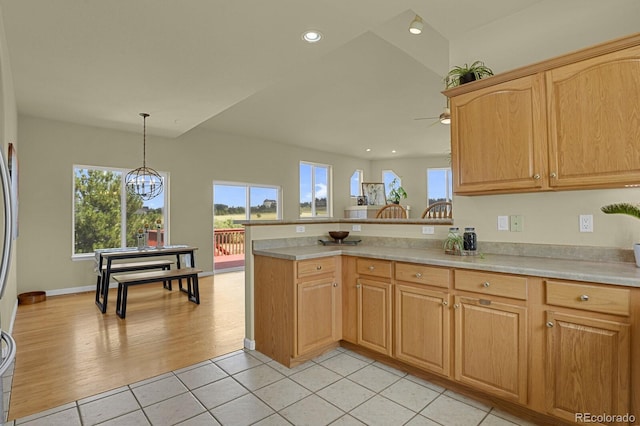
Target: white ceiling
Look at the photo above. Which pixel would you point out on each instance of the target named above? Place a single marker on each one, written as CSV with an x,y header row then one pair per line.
x,y
240,66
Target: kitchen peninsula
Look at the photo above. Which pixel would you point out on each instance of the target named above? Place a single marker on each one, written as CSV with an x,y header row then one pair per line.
x,y
548,332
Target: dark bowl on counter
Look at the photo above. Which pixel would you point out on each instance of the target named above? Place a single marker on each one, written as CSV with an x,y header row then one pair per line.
x,y
338,235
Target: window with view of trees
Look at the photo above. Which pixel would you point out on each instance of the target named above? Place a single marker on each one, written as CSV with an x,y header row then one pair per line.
x,y
387,177
105,215
315,184
230,201
439,185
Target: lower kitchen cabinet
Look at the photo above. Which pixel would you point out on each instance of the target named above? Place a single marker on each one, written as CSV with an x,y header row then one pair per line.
x,y
491,347
422,327
374,315
318,322
588,366
297,307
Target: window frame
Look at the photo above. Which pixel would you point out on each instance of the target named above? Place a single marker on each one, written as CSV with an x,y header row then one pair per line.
x,y
123,206
448,183
248,187
329,189
360,173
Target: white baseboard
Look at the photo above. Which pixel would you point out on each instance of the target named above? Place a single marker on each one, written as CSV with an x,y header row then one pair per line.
x,y
249,344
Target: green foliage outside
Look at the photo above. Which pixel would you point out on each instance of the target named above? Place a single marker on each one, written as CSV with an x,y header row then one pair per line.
x,y
98,213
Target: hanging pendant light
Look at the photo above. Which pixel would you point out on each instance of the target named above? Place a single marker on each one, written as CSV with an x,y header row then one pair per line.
x,y
144,182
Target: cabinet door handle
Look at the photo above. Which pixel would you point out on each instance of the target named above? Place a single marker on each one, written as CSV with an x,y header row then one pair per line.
x,y
553,175
456,306
584,297
418,275
371,268
358,284
335,284
445,303
486,284
319,267
536,176
549,324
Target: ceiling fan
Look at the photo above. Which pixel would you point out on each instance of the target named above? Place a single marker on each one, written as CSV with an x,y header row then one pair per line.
x,y
444,118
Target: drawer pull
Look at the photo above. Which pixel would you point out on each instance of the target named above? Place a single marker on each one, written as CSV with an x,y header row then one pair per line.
x,y
319,267
584,297
418,275
371,268
553,175
486,284
536,176
550,324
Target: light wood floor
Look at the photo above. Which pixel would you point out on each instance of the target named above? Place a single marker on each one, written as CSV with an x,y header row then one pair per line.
x,y
68,350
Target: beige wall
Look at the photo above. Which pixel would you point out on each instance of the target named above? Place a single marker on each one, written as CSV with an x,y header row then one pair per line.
x,y
9,126
50,149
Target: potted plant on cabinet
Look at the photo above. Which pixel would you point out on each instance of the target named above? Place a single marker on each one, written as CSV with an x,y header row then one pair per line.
x,y
396,192
628,209
466,74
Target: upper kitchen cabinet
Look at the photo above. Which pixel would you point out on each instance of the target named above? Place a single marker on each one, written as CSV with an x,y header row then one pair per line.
x,y
571,122
594,121
498,135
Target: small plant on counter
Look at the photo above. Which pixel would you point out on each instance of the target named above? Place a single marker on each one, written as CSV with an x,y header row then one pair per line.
x,y
396,192
454,243
628,209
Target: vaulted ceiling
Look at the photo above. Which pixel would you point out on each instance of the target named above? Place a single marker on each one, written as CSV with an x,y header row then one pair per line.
x,y
240,66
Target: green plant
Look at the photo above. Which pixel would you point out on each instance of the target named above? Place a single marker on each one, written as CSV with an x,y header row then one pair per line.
x,y
466,73
453,242
396,192
622,208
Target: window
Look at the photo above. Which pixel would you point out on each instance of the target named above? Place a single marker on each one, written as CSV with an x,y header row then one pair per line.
x,y
230,201
105,215
439,185
315,184
387,177
356,184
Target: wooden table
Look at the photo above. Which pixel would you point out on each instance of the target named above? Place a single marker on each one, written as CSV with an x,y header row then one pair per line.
x,y
107,256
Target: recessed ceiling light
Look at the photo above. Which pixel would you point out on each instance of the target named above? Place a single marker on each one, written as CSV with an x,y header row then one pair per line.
x,y
312,36
393,151
368,149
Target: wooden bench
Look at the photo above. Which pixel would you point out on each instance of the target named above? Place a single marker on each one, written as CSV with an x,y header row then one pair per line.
x,y
130,267
125,280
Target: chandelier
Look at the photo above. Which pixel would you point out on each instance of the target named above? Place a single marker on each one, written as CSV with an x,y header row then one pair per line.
x,y
144,182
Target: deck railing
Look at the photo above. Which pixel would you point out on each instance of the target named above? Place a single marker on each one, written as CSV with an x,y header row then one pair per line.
x,y
227,242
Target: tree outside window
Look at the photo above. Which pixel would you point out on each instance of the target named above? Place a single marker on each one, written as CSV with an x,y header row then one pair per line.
x,y
105,215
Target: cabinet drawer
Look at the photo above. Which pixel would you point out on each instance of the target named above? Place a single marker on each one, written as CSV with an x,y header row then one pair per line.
x,y
494,284
421,274
321,265
608,300
374,267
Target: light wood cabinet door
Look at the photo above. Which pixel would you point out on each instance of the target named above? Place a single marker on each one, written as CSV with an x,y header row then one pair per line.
x,y
491,347
318,314
499,137
594,110
588,367
374,315
422,327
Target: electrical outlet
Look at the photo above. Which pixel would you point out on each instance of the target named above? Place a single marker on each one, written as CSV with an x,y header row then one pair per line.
x,y
516,223
586,223
428,230
356,228
503,223
299,228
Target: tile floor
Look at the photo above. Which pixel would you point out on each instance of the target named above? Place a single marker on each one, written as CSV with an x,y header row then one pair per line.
x,y
247,388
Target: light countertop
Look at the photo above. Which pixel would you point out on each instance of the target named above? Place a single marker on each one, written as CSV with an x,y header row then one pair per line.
x,y
619,273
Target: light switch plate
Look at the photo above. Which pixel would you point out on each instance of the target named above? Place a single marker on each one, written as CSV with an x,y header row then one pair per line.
x,y
503,223
299,228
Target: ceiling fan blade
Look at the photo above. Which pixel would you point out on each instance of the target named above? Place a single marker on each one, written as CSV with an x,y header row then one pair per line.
x,y
426,118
